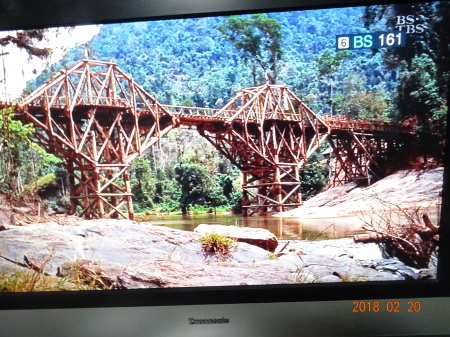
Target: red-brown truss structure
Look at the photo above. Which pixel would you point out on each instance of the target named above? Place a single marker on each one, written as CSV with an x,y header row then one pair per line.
x,y
363,150
98,120
269,134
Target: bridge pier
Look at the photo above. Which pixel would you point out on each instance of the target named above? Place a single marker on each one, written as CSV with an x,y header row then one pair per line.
x,y
269,134
362,155
96,193
269,193
98,120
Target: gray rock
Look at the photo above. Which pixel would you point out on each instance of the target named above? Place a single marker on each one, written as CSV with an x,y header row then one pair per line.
x,y
7,268
165,274
329,279
6,218
162,274
125,254
42,247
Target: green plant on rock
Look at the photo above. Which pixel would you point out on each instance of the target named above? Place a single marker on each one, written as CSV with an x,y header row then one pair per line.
x,y
32,281
36,279
272,256
217,245
91,277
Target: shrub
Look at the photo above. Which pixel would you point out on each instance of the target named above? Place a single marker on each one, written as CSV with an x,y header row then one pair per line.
x,y
405,233
31,281
217,245
36,279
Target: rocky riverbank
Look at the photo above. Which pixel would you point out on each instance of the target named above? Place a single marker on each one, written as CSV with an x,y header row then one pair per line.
x,y
404,189
125,254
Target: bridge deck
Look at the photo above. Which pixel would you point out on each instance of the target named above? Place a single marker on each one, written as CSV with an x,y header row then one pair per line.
x,y
192,116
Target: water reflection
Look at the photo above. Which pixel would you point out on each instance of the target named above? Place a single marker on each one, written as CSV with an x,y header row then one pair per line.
x,y
283,228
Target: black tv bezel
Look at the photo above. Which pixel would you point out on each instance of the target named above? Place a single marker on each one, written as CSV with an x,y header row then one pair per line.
x,y
28,14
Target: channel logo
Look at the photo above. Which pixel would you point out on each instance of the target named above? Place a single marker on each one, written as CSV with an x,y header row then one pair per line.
x,y
343,42
371,40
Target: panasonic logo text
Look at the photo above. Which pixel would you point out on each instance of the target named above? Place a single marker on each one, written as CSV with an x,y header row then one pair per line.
x,y
209,321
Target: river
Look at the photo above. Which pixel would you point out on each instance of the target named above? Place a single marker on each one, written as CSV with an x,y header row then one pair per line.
x,y
283,228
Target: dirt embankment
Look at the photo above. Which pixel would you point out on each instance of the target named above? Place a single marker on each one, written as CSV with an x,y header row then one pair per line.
x,y
406,189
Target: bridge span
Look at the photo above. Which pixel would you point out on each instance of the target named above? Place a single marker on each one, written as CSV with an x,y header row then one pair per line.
x,y
98,120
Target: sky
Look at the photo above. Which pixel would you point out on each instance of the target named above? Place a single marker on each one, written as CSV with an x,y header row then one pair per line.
x,y
16,66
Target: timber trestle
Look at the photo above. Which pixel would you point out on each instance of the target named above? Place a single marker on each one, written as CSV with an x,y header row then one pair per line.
x,y
95,118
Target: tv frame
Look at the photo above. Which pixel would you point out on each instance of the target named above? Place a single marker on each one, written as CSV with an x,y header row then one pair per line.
x,y
53,13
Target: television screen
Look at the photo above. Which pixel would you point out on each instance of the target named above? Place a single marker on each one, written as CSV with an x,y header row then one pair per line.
x,y
270,155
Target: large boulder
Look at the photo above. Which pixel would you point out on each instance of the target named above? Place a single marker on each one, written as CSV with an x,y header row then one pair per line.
x,y
6,217
259,237
40,247
49,245
167,274
124,254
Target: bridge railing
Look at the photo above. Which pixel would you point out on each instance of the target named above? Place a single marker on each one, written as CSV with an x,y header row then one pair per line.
x,y
342,123
188,110
62,101
196,111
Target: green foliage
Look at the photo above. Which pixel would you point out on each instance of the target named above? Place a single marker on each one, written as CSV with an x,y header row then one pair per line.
x,y
27,281
188,102
217,245
314,176
14,144
258,39
13,134
46,159
419,93
368,105
143,184
47,179
328,63
193,180
420,69
183,172
272,256
22,161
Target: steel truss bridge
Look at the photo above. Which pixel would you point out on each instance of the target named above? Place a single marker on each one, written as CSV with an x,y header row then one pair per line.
x,y
98,120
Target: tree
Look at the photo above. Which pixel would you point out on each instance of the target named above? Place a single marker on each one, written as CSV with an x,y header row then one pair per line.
x,y
356,101
327,66
14,138
314,176
143,184
20,159
193,184
258,39
16,150
421,67
27,40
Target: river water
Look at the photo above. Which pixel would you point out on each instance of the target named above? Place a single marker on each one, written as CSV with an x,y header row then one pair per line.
x,y
283,228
